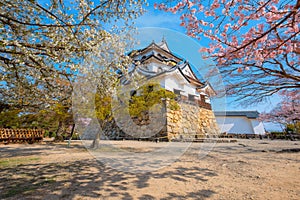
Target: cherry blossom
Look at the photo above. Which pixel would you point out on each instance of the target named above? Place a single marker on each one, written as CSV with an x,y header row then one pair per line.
x,y
286,112
261,37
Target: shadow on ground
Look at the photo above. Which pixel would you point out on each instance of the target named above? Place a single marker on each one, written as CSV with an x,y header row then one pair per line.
x,y
34,149
90,179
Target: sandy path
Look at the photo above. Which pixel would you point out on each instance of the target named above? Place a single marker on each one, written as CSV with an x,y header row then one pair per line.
x,y
247,169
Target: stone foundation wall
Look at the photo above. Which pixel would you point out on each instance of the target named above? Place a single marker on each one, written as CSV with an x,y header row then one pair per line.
x,y
189,122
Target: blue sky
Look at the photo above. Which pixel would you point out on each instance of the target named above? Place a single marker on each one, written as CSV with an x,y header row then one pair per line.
x,y
167,25
159,19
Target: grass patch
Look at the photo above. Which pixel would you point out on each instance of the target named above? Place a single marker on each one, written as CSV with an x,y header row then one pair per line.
x,y
9,162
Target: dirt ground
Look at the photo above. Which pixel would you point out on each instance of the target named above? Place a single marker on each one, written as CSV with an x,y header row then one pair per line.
x,y
246,169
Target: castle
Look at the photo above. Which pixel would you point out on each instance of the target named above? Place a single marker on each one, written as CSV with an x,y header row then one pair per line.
x,y
194,119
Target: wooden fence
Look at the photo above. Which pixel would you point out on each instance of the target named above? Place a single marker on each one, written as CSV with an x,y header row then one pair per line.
x,y
21,135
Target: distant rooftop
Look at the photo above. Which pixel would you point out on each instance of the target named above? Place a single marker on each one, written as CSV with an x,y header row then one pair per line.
x,y
248,114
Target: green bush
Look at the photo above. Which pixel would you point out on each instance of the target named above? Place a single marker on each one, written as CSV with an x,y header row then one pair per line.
x,y
75,137
52,134
139,104
148,96
46,134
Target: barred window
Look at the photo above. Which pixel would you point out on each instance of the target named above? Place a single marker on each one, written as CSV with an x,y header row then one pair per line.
x,y
191,97
177,92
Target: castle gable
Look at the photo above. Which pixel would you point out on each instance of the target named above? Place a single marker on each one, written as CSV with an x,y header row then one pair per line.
x,y
160,51
157,61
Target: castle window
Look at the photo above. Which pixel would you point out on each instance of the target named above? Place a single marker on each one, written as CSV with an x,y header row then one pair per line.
x,y
202,97
177,92
191,97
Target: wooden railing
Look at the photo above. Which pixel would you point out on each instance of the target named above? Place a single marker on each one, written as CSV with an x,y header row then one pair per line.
x,y
21,135
199,102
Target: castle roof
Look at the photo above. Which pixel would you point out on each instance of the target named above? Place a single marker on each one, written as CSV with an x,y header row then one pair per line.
x,y
248,114
161,54
160,47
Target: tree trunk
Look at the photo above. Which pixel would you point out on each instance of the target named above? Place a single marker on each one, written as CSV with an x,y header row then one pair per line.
x,y
96,142
58,136
72,132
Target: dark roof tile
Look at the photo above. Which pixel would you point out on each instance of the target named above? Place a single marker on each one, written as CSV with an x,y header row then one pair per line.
x,y
248,114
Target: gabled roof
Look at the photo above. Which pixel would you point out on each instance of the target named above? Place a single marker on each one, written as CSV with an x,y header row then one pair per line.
x,y
159,58
172,70
248,114
152,75
208,89
186,64
180,67
163,44
193,78
163,47
164,55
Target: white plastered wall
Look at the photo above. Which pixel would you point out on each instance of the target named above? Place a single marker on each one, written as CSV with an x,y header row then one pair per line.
x,y
176,82
235,125
258,127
